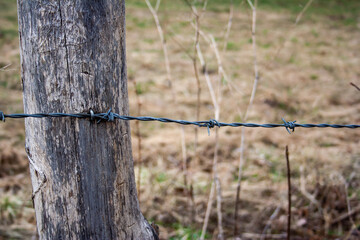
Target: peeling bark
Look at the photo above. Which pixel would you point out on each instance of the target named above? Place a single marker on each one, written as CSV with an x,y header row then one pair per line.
x,y
73,60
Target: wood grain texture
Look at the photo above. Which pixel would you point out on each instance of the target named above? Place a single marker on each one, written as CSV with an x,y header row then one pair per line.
x,y
72,60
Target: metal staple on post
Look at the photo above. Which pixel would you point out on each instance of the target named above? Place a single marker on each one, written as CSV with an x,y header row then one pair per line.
x,y
110,117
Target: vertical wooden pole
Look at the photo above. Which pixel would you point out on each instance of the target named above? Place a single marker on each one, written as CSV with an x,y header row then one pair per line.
x,y
73,60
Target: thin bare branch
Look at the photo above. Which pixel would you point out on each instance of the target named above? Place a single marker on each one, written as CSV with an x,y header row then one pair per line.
x,y
227,33
299,16
218,187
196,71
346,215
208,81
291,34
207,38
164,46
215,99
256,70
256,80
259,236
208,211
157,5
304,192
355,86
216,113
186,51
184,157
289,192
138,136
349,212
269,222
4,68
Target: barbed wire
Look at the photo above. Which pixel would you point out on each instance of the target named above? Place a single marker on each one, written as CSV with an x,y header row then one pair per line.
x,y
110,116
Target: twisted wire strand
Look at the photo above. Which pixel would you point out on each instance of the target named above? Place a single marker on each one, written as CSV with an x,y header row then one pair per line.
x,y
110,116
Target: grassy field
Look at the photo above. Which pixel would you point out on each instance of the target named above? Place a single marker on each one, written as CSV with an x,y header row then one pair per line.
x,y
305,74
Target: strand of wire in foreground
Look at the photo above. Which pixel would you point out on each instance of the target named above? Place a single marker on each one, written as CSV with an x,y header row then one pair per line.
x,y
110,116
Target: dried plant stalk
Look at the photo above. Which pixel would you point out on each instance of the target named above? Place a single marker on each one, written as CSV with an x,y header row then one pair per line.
x,y
215,100
269,222
196,71
163,43
227,33
184,157
291,35
289,192
256,80
208,211
138,136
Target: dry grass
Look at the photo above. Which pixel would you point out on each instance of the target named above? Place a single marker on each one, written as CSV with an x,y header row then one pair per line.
x,y
307,81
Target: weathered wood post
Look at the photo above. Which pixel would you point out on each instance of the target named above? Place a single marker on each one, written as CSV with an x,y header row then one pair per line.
x,y
73,60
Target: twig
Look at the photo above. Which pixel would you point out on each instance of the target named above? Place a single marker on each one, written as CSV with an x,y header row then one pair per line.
x,y
289,191
303,11
256,80
304,192
211,195
227,33
208,39
346,215
290,36
138,136
163,42
196,71
218,187
184,157
208,82
353,84
205,5
215,101
186,51
238,186
188,191
349,212
4,68
260,236
198,94
157,5
208,211
269,222
256,70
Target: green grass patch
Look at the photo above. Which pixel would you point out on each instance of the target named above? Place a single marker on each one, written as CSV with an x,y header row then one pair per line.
x,y
187,233
8,33
161,177
232,46
337,11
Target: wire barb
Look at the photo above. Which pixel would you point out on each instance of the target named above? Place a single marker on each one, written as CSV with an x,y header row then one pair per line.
x,y
2,116
211,124
108,116
289,125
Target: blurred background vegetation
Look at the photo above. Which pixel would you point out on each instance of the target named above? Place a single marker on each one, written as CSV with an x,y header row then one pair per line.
x,y
305,71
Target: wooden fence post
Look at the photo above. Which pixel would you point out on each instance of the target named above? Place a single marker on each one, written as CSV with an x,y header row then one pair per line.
x,y
73,60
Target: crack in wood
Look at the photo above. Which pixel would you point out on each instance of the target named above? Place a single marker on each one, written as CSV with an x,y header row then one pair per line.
x,y
131,225
38,171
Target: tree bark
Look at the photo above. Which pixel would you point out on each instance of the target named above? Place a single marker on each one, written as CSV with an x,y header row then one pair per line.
x,y
73,60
